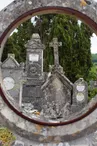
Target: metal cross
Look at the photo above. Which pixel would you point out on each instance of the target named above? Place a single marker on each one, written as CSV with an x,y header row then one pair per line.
x,y
55,44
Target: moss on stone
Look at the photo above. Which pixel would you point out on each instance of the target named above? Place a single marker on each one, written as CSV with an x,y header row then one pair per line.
x,y
6,136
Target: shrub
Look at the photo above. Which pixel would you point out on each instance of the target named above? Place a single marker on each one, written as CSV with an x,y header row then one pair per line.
x,y
92,93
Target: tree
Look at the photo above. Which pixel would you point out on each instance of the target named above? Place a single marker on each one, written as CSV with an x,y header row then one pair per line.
x,y
94,58
16,42
74,55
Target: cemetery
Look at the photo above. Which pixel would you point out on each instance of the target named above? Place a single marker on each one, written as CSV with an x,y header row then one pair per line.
x,y
44,108
34,91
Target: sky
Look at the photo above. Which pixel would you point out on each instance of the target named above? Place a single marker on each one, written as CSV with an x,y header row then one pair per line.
x,y
4,3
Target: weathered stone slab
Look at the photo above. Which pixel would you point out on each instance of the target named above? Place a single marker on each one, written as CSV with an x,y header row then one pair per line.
x,y
12,76
18,143
80,95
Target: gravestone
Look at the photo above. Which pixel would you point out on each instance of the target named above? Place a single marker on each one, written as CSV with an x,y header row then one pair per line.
x,y
12,73
34,77
34,57
57,90
80,95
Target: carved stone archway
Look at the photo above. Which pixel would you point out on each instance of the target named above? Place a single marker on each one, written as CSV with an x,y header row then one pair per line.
x,y
10,17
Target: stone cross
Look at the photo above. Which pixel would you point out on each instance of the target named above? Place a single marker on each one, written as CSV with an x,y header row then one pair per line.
x,y
55,44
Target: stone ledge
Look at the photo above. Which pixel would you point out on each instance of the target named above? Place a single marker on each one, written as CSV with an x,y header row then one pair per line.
x,y
43,134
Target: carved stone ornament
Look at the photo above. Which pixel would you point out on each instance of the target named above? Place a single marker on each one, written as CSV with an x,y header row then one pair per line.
x,y
34,69
35,42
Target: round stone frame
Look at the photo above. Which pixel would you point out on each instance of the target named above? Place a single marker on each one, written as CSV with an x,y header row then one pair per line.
x,y
21,10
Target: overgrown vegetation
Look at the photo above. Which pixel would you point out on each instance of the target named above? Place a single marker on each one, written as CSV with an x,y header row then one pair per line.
x,y
92,92
92,76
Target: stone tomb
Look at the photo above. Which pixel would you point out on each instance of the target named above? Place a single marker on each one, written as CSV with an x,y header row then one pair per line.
x,y
57,96
57,89
12,73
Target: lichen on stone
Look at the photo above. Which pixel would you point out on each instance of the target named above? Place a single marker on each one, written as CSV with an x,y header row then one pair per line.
x,y
6,136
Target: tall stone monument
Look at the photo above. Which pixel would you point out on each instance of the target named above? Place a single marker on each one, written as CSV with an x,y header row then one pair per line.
x,y
34,57
33,72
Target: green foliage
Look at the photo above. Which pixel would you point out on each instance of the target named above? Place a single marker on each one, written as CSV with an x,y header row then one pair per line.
x,y
74,55
16,42
6,136
92,76
94,58
92,93
92,73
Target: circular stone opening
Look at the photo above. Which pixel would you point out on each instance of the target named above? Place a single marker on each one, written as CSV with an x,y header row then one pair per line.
x,y
25,16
